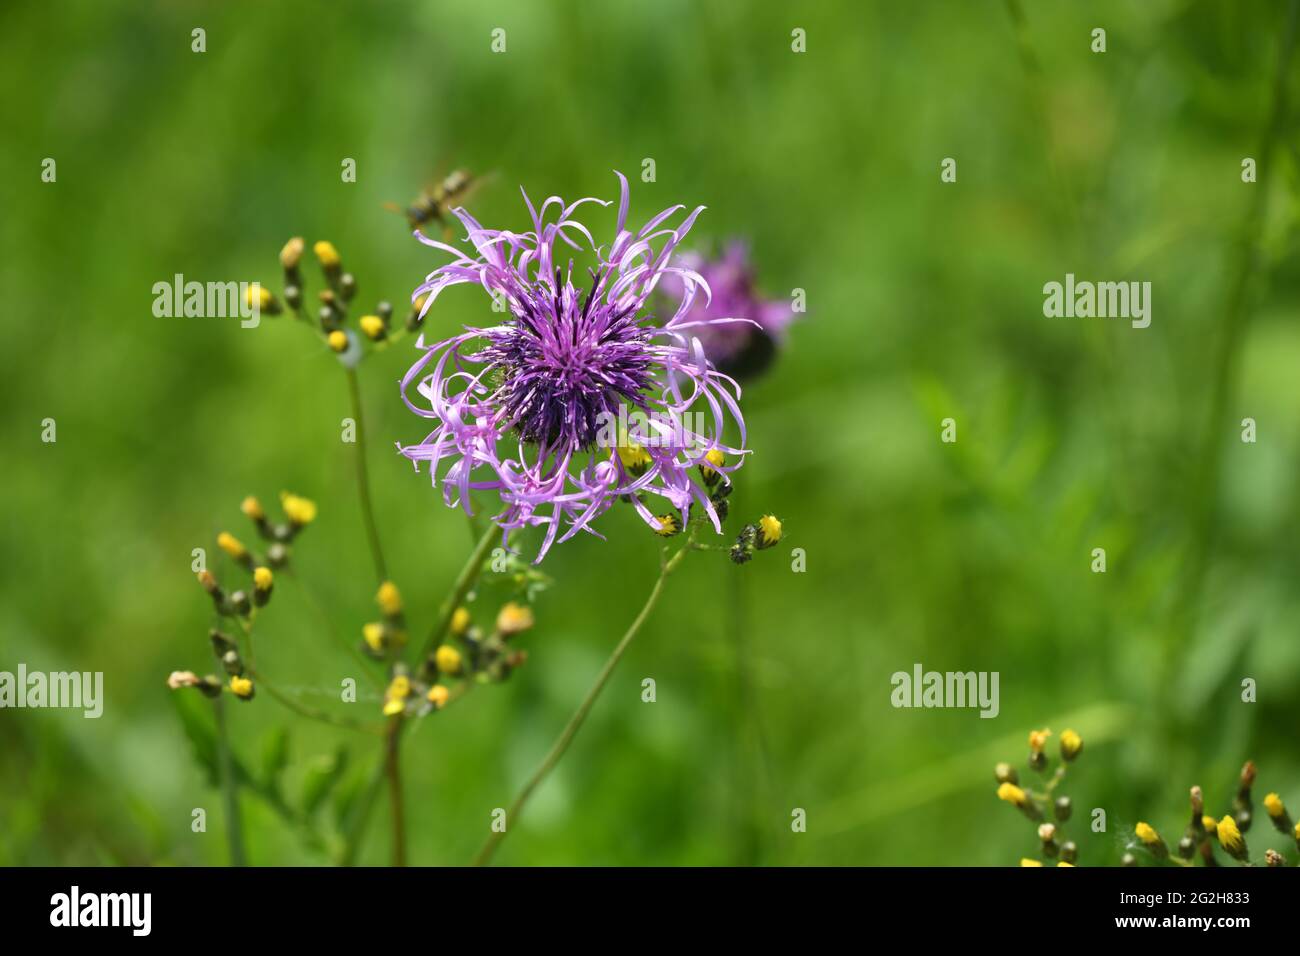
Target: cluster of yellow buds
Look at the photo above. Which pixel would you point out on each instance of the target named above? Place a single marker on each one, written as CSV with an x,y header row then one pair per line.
x,y
382,637
1204,832
240,604
484,656
1040,804
336,300
299,512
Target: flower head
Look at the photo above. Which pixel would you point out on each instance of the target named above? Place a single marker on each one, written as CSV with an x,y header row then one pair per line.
x,y
577,398
741,349
1230,837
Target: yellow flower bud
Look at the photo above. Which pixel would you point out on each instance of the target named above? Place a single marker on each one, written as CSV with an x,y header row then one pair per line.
x,y
208,580
438,696
241,687
291,254
666,526
400,687
460,621
263,579
448,659
1012,794
259,296
1274,805
635,459
1025,861
394,706
373,633
252,508
373,326
299,510
1209,823
1063,863
1071,745
327,255
769,531
338,340
514,619
1147,834
390,599
231,545
1038,739
1230,837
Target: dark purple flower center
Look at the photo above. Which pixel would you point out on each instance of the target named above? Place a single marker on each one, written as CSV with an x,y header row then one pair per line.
x,y
564,366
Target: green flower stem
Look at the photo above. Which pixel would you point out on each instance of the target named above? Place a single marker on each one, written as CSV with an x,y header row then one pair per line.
x,y
389,767
468,575
363,479
229,788
575,723
393,771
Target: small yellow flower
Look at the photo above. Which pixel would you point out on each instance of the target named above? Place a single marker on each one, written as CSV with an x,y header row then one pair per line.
x,y
241,687
259,296
1071,745
390,599
1297,833
1274,805
1063,863
713,458
1025,861
228,543
338,340
263,579
208,580
394,706
1230,837
448,659
251,507
1147,834
373,326
635,458
460,621
666,526
769,531
1038,739
373,633
291,254
400,687
326,255
299,510
438,696
514,619
1209,823
1012,794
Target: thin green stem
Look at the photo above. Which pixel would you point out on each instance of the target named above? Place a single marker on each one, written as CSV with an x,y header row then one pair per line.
x,y
389,767
575,723
393,771
363,478
464,583
229,788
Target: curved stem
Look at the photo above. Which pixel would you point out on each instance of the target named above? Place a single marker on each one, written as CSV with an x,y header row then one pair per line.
x,y
229,788
363,479
575,723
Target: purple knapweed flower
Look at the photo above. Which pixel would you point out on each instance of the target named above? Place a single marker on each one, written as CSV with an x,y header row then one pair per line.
x,y
740,349
578,398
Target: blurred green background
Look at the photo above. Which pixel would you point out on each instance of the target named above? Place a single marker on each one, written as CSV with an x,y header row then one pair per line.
x,y
924,302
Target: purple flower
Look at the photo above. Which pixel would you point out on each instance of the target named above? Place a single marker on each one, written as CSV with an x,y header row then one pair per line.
x,y
743,350
577,399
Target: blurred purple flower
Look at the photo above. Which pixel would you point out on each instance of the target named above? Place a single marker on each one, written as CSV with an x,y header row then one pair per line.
x,y
743,350
576,399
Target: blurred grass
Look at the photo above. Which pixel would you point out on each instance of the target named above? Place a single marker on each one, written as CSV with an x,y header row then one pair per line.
x,y
924,302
